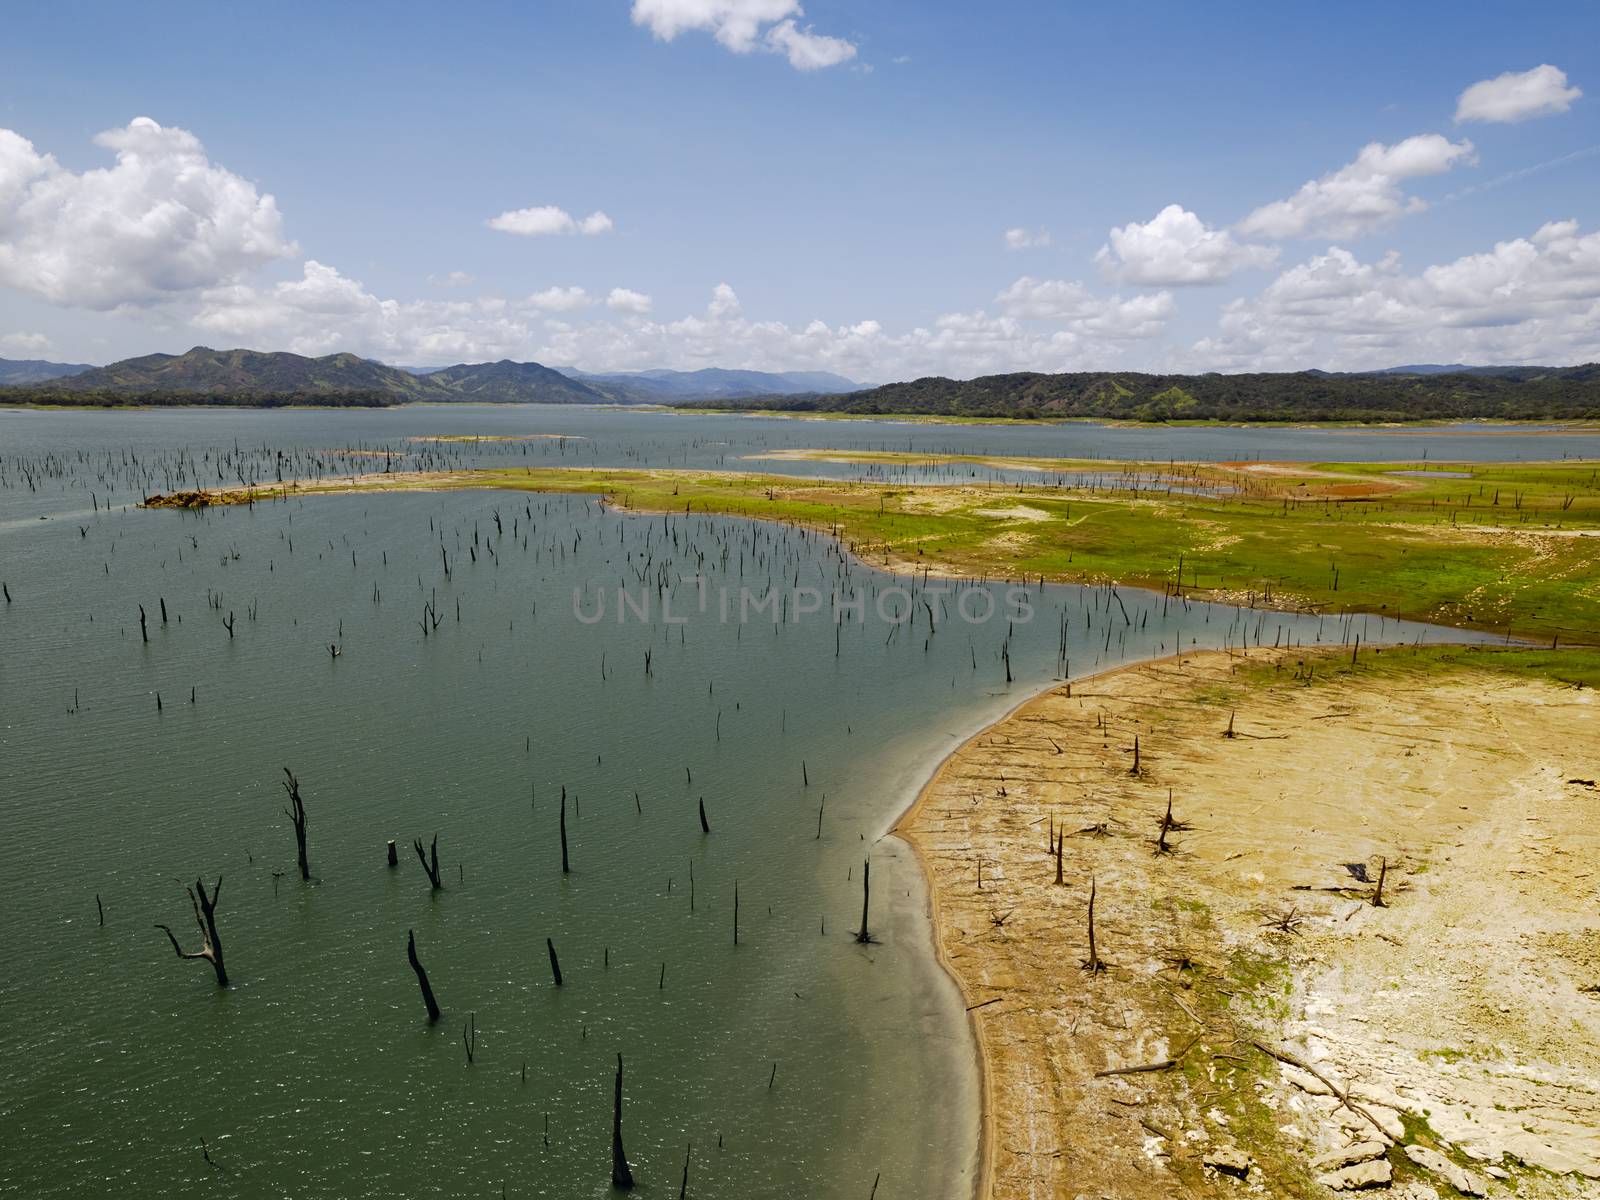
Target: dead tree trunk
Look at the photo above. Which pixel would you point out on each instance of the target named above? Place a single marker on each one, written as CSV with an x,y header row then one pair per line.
x,y
422,976
1092,964
432,868
1383,871
566,863
296,812
705,825
863,935
394,858
555,963
205,916
621,1176
1167,825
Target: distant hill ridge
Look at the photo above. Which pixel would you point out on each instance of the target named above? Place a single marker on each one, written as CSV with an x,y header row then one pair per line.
x,y
507,382
709,383
232,371
36,370
204,375
268,378
254,376
1510,393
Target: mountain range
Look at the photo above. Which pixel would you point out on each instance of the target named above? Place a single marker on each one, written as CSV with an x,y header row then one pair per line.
x,y
710,383
265,379
1409,394
36,370
204,375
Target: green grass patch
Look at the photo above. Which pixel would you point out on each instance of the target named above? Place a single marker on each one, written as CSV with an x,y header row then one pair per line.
x,y
1506,548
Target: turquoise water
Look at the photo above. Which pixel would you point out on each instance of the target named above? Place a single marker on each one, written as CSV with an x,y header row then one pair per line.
x,y
317,1074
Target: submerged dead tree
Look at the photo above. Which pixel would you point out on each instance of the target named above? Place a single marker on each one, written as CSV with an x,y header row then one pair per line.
x,y
566,863
621,1176
296,812
422,976
863,935
205,916
432,868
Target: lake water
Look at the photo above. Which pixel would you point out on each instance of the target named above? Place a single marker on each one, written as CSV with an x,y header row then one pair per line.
x,y
317,1074
619,437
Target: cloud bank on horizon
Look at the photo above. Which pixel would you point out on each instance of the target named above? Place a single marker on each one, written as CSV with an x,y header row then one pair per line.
x,y
167,239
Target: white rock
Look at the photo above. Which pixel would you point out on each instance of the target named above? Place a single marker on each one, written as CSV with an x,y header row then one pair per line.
x,y
1463,1180
1536,1152
1388,1120
1348,1157
1376,1173
1307,1083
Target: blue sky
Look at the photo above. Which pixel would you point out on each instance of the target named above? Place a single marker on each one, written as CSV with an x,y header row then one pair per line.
x,y
826,187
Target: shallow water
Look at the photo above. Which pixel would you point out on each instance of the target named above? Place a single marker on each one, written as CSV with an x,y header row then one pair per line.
x,y
316,1074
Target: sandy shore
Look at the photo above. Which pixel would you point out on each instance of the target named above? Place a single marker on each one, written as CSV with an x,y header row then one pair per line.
x,y
1459,1020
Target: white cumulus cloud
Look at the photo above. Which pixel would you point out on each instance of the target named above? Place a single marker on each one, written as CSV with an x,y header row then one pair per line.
x,y
746,25
162,221
807,50
724,301
964,343
1517,95
1082,311
560,299
626,300
1529,299
1176,248
1046,299
324,311
1018,238
547,220
1361,196
30,345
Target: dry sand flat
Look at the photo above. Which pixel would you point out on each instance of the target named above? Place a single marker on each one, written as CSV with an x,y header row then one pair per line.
x,y
1455,1018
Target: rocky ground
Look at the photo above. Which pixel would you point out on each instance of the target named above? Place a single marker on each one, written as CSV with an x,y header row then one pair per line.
x,y
1254,1016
